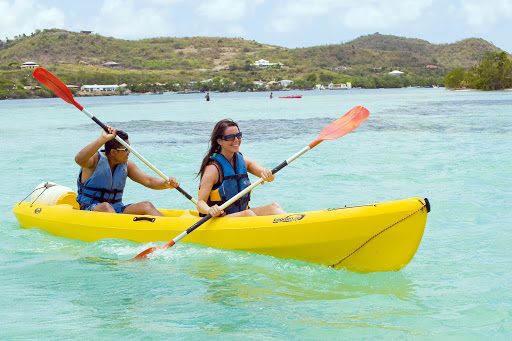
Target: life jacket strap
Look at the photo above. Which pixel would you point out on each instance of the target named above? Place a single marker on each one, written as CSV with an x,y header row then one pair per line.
x,y
236,177
104,192
101,199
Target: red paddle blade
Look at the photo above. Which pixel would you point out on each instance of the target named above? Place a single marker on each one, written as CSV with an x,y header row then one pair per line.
x,y
55,85
344,124
144,254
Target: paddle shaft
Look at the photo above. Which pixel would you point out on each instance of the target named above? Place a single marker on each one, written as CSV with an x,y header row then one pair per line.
x,y
133,151
240,194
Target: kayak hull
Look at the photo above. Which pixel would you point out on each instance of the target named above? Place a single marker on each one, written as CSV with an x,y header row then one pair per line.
x,y
368,238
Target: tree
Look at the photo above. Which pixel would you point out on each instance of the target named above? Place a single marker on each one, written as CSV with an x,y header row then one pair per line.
x,y
311,78
326,78
455,78
494,72
247,65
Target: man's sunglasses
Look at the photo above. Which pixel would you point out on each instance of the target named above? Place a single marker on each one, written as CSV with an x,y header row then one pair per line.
x,y
125,149
231,137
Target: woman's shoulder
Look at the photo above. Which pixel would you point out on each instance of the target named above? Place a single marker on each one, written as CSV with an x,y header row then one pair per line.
x,y
211,173
211,167
212,162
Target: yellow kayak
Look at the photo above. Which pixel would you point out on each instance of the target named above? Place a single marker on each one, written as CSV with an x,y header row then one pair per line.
x,y
367,238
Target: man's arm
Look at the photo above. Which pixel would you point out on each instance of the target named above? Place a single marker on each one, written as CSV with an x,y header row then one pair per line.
x,y
84,158
152,182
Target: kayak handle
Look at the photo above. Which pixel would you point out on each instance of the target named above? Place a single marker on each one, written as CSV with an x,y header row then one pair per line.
x,y
144,218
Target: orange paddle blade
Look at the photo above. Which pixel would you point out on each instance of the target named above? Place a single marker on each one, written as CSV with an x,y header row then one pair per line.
x,y
144,254
345,124
55,85
342,125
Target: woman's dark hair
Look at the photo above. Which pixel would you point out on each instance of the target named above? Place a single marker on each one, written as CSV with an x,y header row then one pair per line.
x,y
113,144
218,131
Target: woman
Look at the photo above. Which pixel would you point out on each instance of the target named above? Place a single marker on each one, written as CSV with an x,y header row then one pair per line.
x,y
224,174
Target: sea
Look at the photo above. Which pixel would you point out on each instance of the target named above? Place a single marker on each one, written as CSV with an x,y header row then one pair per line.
x,y
452,147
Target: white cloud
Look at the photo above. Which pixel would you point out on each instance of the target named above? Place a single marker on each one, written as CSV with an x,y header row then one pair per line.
x,y
289,16
236,31
122,19
227,10
377,14
362,14
482,13
164,2
25,16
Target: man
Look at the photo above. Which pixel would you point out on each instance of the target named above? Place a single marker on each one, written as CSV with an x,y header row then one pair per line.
x,y
103,175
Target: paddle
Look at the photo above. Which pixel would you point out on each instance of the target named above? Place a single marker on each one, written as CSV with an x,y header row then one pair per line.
x,y
338,128
61,90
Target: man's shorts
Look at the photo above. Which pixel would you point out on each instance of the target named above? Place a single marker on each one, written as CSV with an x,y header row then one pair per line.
x,y
92,206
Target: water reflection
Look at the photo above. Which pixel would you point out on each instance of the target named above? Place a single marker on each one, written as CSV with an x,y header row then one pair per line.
x,y
268,279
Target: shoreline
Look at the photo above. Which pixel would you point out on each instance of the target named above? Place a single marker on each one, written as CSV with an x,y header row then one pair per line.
x,y
113,93
80,94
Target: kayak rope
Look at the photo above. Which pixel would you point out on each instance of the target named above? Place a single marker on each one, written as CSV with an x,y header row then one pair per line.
x,y
387,228
45,186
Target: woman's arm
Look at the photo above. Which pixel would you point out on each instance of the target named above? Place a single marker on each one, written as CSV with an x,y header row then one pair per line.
x,y
208,180
255,169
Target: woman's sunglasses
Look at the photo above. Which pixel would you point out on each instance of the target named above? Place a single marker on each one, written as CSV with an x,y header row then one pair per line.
x,y
231,137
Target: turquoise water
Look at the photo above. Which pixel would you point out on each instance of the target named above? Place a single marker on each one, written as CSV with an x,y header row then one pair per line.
x,y
451,147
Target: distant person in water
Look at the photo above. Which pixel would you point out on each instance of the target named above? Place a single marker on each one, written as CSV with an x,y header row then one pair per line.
x,y
207,96
224,174
103,174
271,96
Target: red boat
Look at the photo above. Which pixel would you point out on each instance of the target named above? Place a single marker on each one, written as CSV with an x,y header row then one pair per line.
x,y
297,96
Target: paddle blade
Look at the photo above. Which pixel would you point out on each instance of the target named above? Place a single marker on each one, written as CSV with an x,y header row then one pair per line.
x,y
344,124
55,85
144,254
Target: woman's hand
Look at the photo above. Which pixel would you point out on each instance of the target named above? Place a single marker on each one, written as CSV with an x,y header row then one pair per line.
x,y
267,175
215,211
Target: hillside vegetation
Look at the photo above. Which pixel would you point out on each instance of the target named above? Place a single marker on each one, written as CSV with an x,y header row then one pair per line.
x,y
175,62
493,72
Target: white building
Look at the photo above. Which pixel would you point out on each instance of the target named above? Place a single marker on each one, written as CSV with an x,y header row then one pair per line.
x,y
264,63
29,65
395,73
340,86
95,87
285,82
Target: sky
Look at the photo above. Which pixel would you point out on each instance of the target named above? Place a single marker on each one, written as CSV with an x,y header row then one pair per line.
x,y
286,23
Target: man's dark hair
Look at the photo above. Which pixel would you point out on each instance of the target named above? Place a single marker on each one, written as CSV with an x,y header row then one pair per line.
x,y
114,144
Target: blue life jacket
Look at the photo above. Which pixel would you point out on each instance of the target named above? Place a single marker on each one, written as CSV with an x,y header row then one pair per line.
x,y
103,186
232,182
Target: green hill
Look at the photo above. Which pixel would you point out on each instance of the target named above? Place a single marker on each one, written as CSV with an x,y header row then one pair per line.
x,y
57,47
365,61
464,53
